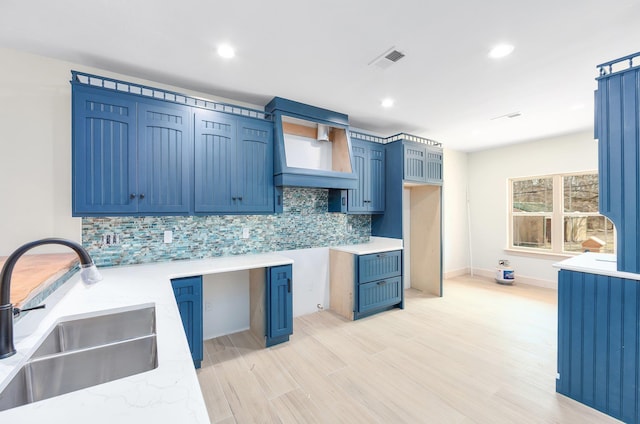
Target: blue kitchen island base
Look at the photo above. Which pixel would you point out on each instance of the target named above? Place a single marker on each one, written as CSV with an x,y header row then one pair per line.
x,y
599,342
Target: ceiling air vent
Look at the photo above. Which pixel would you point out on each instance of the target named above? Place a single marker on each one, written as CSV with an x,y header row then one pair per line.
x,y
387,58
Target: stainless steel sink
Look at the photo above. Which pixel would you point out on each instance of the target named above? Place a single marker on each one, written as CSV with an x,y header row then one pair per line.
x,y
74,357
98,330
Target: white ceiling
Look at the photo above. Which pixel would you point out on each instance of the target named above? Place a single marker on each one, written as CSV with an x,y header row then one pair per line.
x,y
446,88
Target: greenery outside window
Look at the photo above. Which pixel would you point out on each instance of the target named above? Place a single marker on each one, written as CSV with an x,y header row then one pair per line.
x,y
558,214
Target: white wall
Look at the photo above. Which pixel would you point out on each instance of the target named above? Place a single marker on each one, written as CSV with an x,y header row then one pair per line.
x,y
35,148
488,172
455,243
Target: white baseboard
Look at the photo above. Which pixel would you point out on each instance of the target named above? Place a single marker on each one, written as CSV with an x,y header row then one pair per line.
x,y
456,273
520,279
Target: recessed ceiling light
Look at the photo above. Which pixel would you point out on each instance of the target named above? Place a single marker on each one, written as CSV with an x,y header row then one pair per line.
x,y
500,51
226,51
387,103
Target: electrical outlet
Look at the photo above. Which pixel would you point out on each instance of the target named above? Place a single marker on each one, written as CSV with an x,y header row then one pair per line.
x,y
245,233
168,236
110,239
207,306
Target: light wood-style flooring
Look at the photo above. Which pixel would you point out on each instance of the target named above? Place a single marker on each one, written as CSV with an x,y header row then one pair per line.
x,y
483,353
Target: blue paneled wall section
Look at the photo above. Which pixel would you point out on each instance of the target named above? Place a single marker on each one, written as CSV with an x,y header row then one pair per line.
x,y
304,223
598,342
617,124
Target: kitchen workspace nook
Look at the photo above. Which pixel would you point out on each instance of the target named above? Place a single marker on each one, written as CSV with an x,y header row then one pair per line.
x,y
184,200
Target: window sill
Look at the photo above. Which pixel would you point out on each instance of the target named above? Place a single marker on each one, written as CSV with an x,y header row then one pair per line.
x,y
540,254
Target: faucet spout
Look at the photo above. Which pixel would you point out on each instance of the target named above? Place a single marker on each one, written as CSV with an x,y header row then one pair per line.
x,y
7,347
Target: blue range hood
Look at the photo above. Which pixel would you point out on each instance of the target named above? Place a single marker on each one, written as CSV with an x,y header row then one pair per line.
x,y
312,146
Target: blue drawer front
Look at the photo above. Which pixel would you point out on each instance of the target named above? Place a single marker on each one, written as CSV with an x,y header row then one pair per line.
x,y
379,294
378,266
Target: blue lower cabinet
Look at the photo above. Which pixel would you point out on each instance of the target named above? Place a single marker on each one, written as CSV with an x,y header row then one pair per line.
x,y
599,342
279,305
188,293
378,283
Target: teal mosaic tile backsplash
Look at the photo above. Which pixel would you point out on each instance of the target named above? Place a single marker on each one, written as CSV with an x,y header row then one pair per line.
x,y
304,223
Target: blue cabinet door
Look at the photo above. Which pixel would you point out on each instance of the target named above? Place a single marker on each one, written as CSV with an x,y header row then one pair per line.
x,y
233,164
358,197
164,157
215,164
376,158
254,189
104,152
188,293
415,162
434,165
369,195
279,304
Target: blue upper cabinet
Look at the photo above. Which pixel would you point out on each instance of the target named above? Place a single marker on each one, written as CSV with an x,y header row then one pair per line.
x,y
164,158
369,195
233,164
422,163
312,148
129,157
144,151
104,152
617,123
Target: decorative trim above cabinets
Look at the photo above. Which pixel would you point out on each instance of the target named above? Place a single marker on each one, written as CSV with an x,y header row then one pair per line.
x,y
312,146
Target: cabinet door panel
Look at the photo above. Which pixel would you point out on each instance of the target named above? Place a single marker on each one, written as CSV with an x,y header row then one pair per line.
x,y
214,162
164,151
359,197
188,294
434,166
376,178
104,153
254,188
415,162
280,307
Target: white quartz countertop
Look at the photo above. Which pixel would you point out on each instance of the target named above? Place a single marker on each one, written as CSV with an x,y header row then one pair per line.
x,y
376,244
169,393
596,263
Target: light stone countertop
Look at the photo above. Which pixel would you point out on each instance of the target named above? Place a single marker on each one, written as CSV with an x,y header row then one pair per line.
x,y
375,245
596,263
169,393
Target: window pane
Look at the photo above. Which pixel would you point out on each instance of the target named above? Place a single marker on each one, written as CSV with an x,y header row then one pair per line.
x,y
534,195
581,193
532,231
596,232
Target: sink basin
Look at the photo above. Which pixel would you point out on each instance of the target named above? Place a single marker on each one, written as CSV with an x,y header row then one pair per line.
x,y
98,330
73,356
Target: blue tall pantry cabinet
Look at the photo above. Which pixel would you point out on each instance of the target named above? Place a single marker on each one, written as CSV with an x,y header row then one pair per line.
x,y
598,294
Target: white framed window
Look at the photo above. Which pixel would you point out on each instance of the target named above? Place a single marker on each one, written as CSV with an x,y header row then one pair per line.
x,y
558,214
